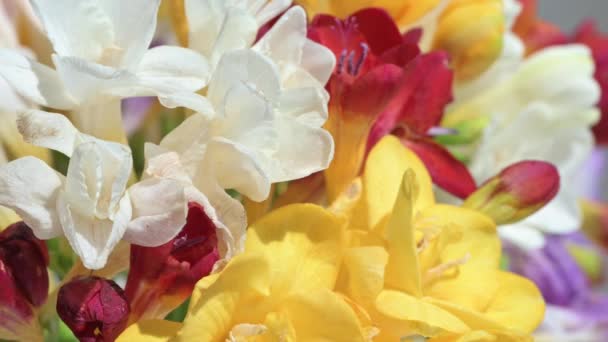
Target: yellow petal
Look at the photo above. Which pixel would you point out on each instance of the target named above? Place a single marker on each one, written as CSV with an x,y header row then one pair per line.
x,y
153,331
303,243
362,274
512,303
402,271
477,234
427,317
322,315
244,283
471,31
384,169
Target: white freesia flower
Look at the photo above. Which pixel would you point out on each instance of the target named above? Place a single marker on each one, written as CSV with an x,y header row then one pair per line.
x,y
101,55
542,108
91,206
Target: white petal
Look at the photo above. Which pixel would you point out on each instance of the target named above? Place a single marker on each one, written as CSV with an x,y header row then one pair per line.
x,y
48,130
217,27
190,141
159,211
77,28
285,41
318,60
237,168
97,177
247,119
93,239
271,10
30,187
248,67
196,102
306,105
303,150
134,24
34,81
173,69
87,81
522,236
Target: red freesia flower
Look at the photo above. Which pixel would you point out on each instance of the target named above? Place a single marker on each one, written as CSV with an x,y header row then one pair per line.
x,y
95,309
24,281
163,277
383,85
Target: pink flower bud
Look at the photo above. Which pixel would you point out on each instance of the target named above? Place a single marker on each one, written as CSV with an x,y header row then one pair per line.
x,y
517,192
163,277
95,309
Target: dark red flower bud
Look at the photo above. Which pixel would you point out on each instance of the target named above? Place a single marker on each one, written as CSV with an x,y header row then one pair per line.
x,y
24,281
95,309
163,277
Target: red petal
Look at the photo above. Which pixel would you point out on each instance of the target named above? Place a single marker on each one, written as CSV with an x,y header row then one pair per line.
x,y
369,94
446,171
419,103
378,28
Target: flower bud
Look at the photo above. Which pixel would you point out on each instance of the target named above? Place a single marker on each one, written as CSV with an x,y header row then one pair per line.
x,y
163,277
24,282
95,309
516,192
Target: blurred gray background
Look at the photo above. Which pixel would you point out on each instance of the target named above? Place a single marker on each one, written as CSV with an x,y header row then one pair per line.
x,y
568,13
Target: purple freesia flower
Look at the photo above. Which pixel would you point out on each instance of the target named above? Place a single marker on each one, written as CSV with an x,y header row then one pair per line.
x,y
575,307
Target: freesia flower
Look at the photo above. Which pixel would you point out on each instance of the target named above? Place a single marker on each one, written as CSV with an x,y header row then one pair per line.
x,y
91,205
104,60
280,288
575,308
383,85
421,268
25,282
549,98
469,30
254,133
95,309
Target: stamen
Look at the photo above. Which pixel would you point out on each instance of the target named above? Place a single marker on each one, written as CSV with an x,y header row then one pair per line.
x,y
351,63
364,53
340,66
438,271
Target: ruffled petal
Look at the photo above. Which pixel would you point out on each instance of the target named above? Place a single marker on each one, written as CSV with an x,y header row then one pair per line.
x,y
134,24
303,244
159,211
48,130
237,168
91,238
34,81
77,28
171,69
30,188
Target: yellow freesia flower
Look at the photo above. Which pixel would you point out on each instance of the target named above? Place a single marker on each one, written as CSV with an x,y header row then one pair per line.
x,y
280,289
471,31
421,268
